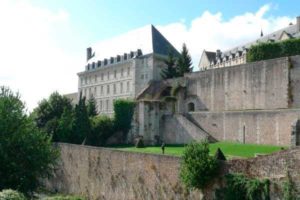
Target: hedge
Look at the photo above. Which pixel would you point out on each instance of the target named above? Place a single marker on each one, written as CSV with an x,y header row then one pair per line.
x,y
265,51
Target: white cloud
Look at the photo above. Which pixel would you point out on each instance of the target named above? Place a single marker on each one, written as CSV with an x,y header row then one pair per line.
x,y
32,62
211,32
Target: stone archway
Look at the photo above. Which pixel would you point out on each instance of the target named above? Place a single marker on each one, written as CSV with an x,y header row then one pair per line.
x,y
191,107
295,136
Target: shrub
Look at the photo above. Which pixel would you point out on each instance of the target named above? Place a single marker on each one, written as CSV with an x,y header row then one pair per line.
x,y
9,194
123,115
240,187
264,51
139,143
197,168
102,127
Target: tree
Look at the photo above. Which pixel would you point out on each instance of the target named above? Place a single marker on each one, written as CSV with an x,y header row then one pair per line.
x,y
49,112
26,154
197,168
184,62
102,127
81,126
123,115
91,107
170,71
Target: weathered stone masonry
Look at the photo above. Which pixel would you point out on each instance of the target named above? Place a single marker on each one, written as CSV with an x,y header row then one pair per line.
x,y
100,173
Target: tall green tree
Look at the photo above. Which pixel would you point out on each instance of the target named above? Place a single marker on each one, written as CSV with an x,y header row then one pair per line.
x,y
184,62
170,71
26,154
81,126
91,107
49,112
123,115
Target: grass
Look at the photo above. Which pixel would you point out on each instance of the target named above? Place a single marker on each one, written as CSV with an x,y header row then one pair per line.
x,y
230,149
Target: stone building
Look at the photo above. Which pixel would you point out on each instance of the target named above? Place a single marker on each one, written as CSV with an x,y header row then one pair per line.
x,y
122,66
237,55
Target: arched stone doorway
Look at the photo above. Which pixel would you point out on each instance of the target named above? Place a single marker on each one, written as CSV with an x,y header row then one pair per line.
x,y
191,107
295,136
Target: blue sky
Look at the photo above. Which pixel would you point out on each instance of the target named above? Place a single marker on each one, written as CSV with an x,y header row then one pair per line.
x,y
101,19
43,43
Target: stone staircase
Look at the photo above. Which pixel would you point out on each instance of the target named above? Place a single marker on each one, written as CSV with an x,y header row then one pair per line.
x,y
179,129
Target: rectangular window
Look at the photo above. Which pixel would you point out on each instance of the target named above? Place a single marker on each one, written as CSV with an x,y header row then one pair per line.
x,y
115,74
122,70
115,89
127,88
95,78
107,90
101,89
107,104
108,75
85,80
121,88
128,71
102,77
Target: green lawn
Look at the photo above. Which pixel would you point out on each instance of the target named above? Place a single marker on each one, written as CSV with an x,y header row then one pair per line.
x,y
230,149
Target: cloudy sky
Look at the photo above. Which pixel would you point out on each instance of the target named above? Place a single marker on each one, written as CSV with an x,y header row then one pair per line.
x,y
43,43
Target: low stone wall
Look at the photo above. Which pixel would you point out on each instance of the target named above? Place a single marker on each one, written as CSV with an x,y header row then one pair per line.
x,y
249,126
99,173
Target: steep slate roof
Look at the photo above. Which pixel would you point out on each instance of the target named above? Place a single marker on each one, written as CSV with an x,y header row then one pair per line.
x,y
147,38
291,30
210,55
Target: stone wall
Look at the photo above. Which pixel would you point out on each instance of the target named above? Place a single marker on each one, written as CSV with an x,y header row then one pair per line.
x,y
99,173
256,126
258,85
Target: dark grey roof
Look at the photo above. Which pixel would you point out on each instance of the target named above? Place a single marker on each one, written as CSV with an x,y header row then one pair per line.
x,y
210,55
291,30
148,39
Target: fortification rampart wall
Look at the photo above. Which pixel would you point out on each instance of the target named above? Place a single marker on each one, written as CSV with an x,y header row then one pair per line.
x,y
258,85
252,126
99,173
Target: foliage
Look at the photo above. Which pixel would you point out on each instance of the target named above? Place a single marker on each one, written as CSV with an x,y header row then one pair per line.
x,y
239,187
123,115
49,112
198,168
26,153
289,192
170,71
102,127
91,107
184,62
60,197
9,194
139,143
264,51
81,126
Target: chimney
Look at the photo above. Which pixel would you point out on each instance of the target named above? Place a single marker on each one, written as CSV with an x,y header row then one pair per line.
x,y
218,53
88,53
298,23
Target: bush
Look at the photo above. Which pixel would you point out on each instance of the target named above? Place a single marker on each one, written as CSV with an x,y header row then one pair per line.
x,y
26,154
102,128
139,143
264,51
11,195
197,168
123,115
240,187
